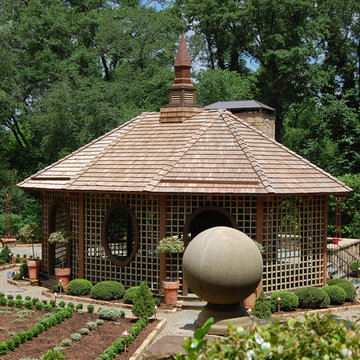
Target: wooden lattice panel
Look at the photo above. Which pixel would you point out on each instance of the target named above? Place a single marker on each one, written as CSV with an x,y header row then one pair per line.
x,y
293,240
179,208
145,266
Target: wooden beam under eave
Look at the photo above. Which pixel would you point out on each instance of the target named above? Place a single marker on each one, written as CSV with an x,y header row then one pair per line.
x,y
162,205
81,237
325,240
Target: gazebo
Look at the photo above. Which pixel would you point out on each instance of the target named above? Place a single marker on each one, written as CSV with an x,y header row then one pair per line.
x,y
176,173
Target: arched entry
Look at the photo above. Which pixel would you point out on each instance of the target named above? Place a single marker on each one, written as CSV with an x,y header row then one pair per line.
x,y
202,219
59,254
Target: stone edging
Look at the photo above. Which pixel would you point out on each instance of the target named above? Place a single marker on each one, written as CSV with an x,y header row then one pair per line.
x,y
317,311
137,355
5,267
49,294
19,283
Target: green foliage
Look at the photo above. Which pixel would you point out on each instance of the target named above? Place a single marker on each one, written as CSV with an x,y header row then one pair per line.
x,y
91,325
2,301
336,294
19,303
347,285
28,304
262,307
62,304
35,300
84,331
100,321
355,267
289,301
4,254
171,245
108,290
144,303
39,306
79,287
53,354
75,337
30,233
131,294
111,314
90,308
66,342
59,237
2,261
312,298
57,288
79,306
314,337
10,302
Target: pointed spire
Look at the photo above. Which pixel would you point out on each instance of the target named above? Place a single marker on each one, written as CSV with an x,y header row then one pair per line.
x,y
182,56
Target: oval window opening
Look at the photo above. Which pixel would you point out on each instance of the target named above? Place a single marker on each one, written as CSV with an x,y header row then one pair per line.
x,y
120,238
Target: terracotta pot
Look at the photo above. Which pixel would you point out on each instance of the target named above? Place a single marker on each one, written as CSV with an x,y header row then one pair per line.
x,y
171,289
62,276
249,302
34,269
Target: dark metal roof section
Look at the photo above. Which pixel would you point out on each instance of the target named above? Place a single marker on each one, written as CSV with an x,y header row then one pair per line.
x,y
238,105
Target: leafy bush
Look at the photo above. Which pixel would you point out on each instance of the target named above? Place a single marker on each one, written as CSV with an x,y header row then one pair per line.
x,y
4,254
48,307
2,301
355,267
84,331
144,303
91,325
108,290
39,306
2,261
59,348
316,337
79,287
79,306
111,314
99,321
81,311
24,271
66,342
336,294
10,297
62,304
27,298
44,302
11,302
131,293
312,298
16,277
57,288
28,305
75,337
90,308
19,303
262,308
347,285
289,301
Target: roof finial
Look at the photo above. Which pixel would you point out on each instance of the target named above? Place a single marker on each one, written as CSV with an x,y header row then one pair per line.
x,y
182,56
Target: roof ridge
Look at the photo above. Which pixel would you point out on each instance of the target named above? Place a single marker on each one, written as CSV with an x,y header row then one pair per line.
x,y
247,151
129,126
75,152
288,150
180,154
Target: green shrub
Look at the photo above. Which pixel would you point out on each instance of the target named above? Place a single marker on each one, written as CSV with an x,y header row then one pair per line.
x,y
131,294
144,303
24,271
108,290
90,308
347,285
35,300
79,287
91,325
57,288
111,314
16,276
52,303
19,303
79,306
2,261
39,306
99,321
27,298
2,301
84,331
355,267
312,298
66,342
289,301
10,297
62,304
17,259
70,305
75,337
59,348
44,302
28,305
315,337
336,294
10,302
4,254
262,308
48,307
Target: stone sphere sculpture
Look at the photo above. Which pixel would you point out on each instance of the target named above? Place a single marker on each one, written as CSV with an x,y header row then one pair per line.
x,y
222,266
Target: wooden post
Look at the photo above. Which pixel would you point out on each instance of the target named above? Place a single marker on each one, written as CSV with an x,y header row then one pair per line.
x,y
81,237
325,240
162,204
259,232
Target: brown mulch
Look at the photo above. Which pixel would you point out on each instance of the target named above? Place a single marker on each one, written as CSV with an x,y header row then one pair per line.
x,y
93,345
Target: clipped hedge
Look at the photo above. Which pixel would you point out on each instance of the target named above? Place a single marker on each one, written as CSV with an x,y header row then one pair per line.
x,y
23,336
119,345
262,307
355,267
336,294
316,337
79,287
108,290
289,301
131,294
347,285
312,298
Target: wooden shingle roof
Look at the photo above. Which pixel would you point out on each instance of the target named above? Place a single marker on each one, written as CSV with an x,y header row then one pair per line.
x,y
212,152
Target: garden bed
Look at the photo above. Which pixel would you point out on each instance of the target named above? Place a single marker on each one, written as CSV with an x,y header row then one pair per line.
x,y
93,344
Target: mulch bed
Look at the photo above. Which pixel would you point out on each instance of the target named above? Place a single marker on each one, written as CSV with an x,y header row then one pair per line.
x,y
89,347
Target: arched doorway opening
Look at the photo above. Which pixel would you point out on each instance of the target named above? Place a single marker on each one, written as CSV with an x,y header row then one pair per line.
x,y
59,254
202,219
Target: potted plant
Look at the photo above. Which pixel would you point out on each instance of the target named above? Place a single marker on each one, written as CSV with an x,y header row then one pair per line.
x,y
62,274
171,286
31,233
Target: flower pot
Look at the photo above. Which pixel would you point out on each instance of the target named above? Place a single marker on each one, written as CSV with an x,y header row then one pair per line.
x,y
62,277
34,269
171,289
249,302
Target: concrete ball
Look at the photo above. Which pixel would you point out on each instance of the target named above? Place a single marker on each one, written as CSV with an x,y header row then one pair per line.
x,y
222,265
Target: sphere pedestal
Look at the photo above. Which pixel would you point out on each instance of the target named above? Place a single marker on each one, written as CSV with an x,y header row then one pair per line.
x,y
224,315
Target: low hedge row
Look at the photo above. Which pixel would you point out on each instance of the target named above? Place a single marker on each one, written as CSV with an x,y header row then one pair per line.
x,y
108,290
23,336
79,287
119,345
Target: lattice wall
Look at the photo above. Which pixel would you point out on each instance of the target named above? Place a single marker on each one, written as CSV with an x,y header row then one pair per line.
x,y
145,266
293,235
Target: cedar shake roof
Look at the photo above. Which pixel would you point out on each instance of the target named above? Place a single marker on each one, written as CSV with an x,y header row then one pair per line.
x,y
211,152
239,105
